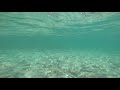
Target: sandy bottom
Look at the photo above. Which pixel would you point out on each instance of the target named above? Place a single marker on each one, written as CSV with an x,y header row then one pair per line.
x,y
36,63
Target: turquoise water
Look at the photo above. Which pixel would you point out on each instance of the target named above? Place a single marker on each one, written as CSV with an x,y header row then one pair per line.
x,y
59,45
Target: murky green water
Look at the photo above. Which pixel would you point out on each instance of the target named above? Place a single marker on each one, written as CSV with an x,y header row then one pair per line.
x,y
59,45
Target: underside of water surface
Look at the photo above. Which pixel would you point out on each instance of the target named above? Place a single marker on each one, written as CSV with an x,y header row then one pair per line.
x,y
59,45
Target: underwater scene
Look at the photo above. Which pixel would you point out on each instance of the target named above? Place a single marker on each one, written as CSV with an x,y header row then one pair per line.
x,y
59,44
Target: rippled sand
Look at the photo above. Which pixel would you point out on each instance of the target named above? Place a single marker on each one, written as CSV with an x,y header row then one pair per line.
x,y
58,64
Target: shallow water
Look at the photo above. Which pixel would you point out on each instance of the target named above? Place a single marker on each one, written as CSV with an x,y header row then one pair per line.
x,y
59,45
